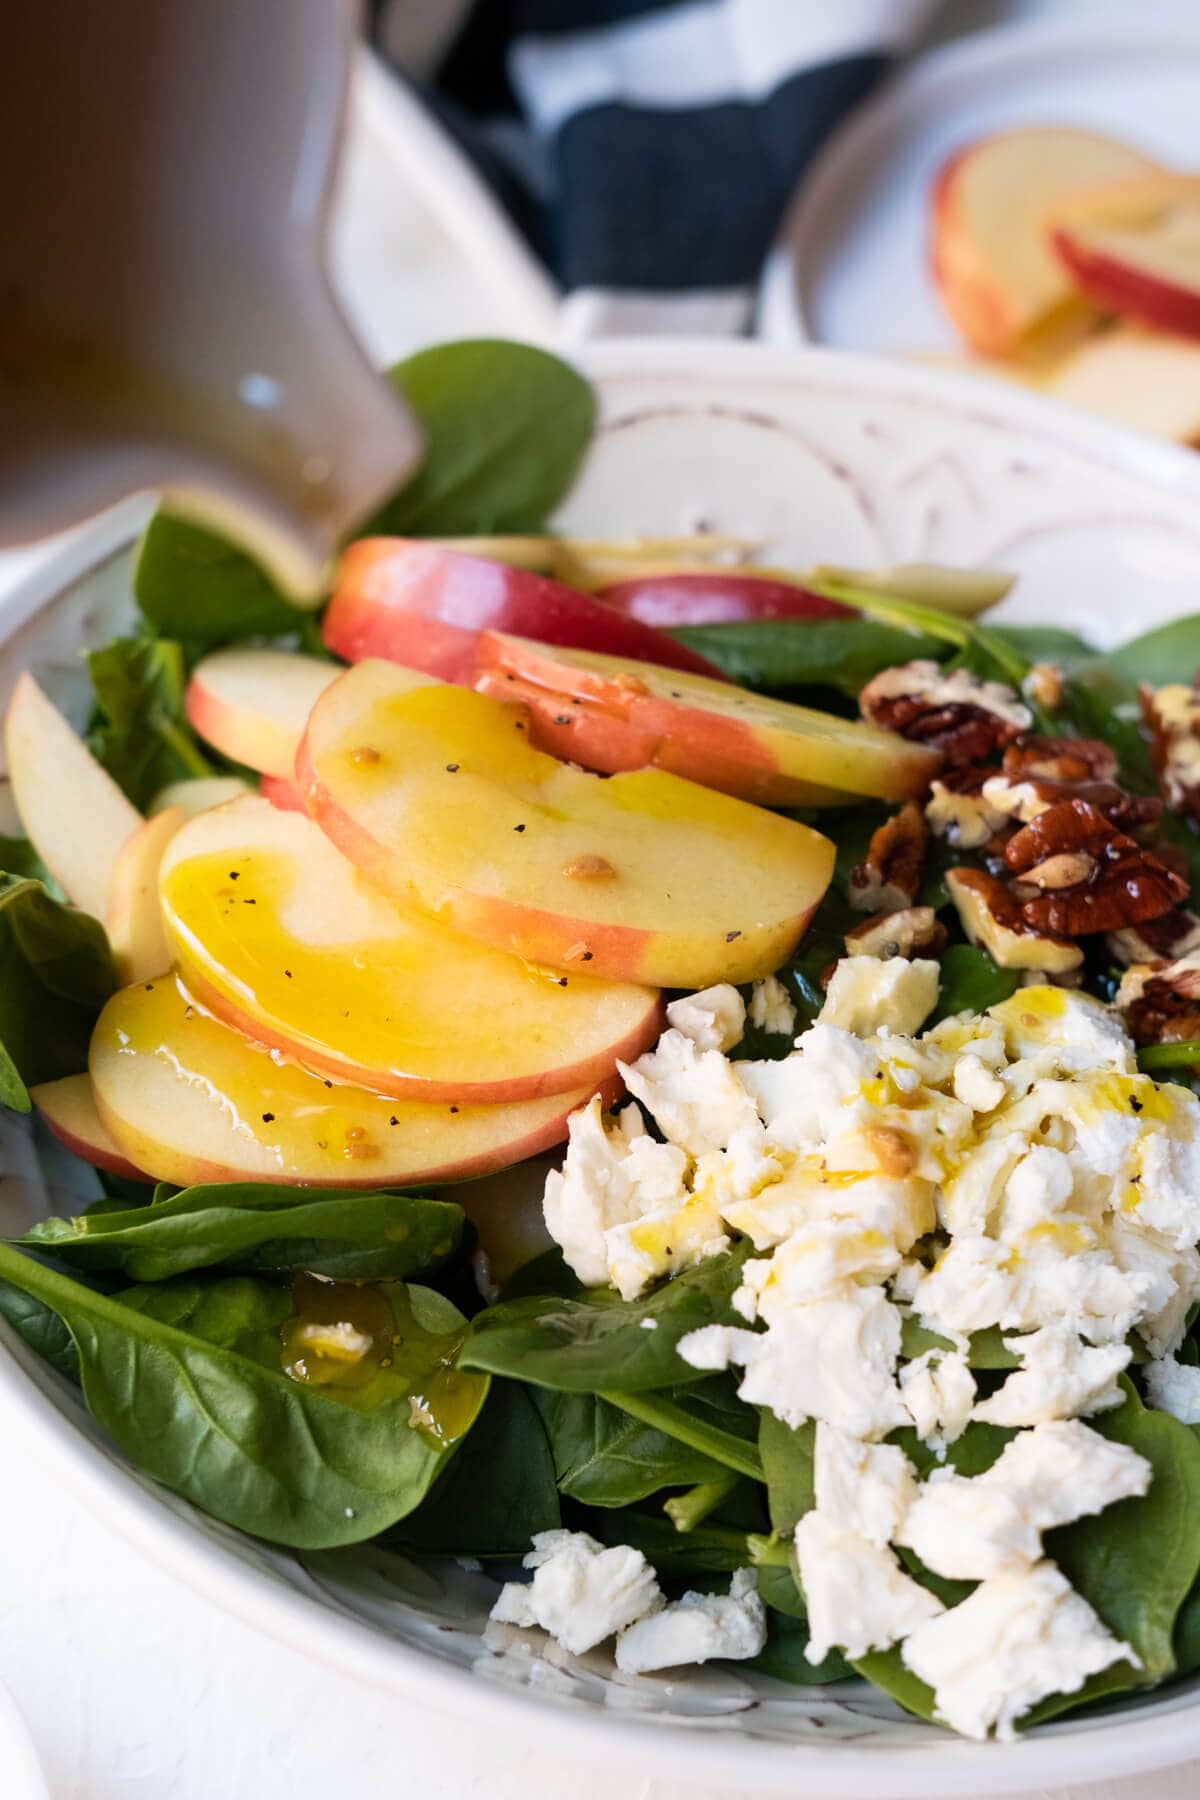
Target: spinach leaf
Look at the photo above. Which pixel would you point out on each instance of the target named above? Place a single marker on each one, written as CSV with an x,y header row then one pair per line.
x,y
55,974
694,1418
708,1550
18,857
1169,653
253,1227
188,1380
596,1340
192,585
603,1456
506,428
41,1328
1045,643
139,731
787,1640
971,982
497,1491
772,654
787,1459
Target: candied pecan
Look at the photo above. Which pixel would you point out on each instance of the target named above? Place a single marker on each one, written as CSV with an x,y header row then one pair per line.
x,y
910,931
1060,759
1162,1005
957,808
1025,797
963,717
889,876
1157,941
1172,714
1120,883
992,919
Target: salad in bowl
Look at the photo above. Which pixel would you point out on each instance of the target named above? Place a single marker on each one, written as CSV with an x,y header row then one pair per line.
x,y
665,1080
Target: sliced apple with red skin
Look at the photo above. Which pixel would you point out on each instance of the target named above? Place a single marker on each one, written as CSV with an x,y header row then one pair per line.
x,y
1139,378
69,1110
280,936
252,705
282,792
611,715
439,797
1133,247
133,917
72,810
715,597
424,606
189,1099
997,274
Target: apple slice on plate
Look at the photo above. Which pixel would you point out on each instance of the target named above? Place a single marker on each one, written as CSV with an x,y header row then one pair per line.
x,y
71,809
198,793
609,714
439,797
279,935
998,276
69,1109
1144,379
188,1099
424,606
252,705
132,915
282,792
715,597
1133,247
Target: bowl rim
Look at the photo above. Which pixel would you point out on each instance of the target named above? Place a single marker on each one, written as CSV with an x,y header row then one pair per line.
x,y
1108,1746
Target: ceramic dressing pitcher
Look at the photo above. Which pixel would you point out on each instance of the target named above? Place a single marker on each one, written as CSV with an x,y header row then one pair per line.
x,y
165,317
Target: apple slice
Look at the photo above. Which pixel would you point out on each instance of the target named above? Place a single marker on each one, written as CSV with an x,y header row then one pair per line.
x,y
423,605
612,715
439,797
252,705
198,793
132,915
189,1099
72,810
998,276
1138,378
282,937
1133,247
716,597
69,1109
281,792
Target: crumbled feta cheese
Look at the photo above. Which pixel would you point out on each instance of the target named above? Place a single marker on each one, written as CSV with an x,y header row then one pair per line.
x,y
610,1178
697,1628
1174,1387
714,1019
976,1085
833,1359
1171,1276
938,1389
798,1096
1076,1034
1060,1378
865,995
581,1592
965,1529
867,1488
814,1261
695,1095
1015,1640
857,1595
771,1008
982,1281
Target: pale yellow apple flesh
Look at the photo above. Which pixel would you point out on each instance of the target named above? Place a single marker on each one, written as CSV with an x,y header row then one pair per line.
x,y
198,793
188,1099
283,937
72,810
1133,247
132,915
252,705
438,796
69,1109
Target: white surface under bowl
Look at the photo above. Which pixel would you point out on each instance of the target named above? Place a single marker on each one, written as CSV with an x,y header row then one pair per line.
x,y
826,457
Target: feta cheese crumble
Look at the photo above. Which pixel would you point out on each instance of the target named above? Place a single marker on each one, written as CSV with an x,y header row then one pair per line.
x,y
867,1488
1174,1387
770,1008
858,1597
581,1592
697,1628
714,1019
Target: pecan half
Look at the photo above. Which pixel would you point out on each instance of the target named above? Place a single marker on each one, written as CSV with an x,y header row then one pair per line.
x,y
888,877
1172,714
1023,798
1121,882
1161,1005
992,919
1156,941
910,931
968,720
1060,759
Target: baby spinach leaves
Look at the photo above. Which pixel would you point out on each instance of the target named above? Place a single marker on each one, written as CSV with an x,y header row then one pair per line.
x,y
252,1227
596,1341
603,1456
498,1490
139,731
192,585
55,974
971,982
774,655
187,1378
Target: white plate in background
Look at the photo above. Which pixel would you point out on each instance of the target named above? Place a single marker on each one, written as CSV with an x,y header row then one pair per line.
x,y
20,1772
851,269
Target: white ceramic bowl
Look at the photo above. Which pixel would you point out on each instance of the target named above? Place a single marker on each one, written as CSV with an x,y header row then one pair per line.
x,y
827,457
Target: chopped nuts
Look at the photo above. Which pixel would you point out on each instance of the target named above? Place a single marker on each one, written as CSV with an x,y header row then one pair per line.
x,y
1067,869
959,811
963,717
589,868
1173,716
1044,686
1123,883
888,878
1060,759
992,919
1162,1005
1156,941
891,1150
910,931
